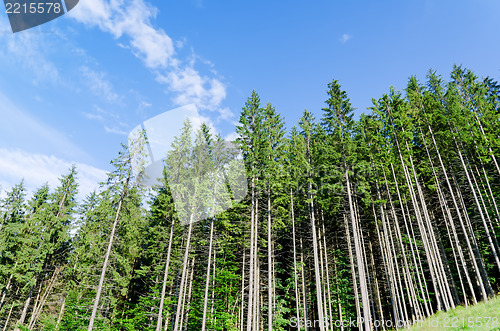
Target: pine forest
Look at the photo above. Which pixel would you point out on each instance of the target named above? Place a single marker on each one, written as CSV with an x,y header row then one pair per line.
x,y
349,223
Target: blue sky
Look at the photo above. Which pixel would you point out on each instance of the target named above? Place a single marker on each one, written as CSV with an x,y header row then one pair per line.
x,y
72,89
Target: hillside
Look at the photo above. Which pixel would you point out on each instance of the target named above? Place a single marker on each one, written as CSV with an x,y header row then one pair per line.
x,y
484,316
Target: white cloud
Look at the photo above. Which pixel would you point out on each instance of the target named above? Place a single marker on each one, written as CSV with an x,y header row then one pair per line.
x,y
345,38
98,84
131,19
91,116
232,136
38,169
227,115
191,87
115,130
196,123
111,121
144,104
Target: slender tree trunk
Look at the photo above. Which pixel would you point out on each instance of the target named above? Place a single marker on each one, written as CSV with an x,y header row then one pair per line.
x,y
406,270
385,258
468,176
482,278
37,308
251,285
269,266
330,317
213,316
61,313
8,317
339,303
165,277
359,258
6,289
295,276
454,200
187,304
316,264
106,256
353,270
448,219
242,292
302,265
184,276
26,305
410,235
205,301
486,220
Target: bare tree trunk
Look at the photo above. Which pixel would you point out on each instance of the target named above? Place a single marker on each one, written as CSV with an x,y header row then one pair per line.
x,y
385,258
297,302
187,305
322,272
257,294
353,270
251,285
413,250
205,301
327,274
37,309
6,289
26,306
316,264
269,266
385,237
406,269
448,219
213,318
242,292
8,317
61,313
468,176
454,199
485,223
108,252
303,281
184,276
165,277
339,303
359,257
377,289
482,278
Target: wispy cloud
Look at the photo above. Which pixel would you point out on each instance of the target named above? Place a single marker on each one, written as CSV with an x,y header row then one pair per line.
x,y
91,116
345,38
129,21
116,130
29,51
98,84
191,87
112,123
38,169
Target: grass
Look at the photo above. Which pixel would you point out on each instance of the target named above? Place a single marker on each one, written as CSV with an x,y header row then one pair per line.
x,y
485,316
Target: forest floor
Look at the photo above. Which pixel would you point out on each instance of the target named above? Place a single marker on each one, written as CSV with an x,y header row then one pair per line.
x,y
483,316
